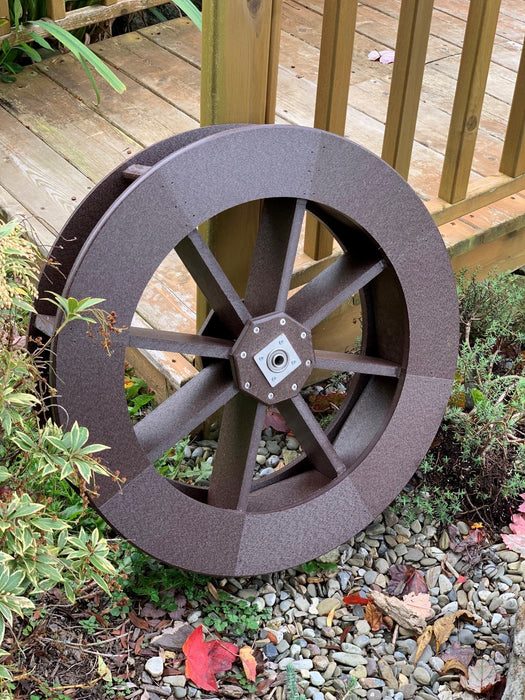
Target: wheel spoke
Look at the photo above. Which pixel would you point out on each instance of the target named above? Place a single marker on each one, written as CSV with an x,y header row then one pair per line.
x,y
212,281
274,255
359,364
334,285
234,462
187,408
153,339
319,450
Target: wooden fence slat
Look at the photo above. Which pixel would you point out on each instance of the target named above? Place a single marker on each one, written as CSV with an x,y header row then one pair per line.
x,y
333,83
407,78
468,100
56,9
238,84
5,23
513,156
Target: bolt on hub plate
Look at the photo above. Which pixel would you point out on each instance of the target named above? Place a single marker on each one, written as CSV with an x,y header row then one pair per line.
x,y
272,358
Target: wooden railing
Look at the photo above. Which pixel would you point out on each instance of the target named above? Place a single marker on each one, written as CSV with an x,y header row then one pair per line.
x,y
456,198
73,19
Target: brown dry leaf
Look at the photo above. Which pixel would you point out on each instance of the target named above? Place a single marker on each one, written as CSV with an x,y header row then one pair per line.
x,y
444,626
138,644
454,665
420,603
138,621
272,637
330,616
401,613
422,642
213,590
373,616
459,653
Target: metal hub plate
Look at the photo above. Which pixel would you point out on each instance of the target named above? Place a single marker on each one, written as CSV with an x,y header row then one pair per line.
x,y
273,358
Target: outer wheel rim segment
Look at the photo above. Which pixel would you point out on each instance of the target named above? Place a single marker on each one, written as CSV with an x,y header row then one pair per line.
x,y
361,199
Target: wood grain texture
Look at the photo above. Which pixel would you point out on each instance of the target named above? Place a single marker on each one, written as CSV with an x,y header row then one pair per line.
x,y
67,125
138,113
331,102
407,78
513,155
470,90
56,9
37,230
33,173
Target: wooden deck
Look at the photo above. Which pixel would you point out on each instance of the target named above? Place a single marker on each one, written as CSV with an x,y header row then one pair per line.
x,y
56,143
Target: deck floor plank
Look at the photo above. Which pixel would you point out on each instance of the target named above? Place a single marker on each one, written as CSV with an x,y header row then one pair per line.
x,y
73,130
138,113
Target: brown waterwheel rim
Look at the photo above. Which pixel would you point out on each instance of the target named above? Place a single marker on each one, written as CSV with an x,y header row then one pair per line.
x,y
393,256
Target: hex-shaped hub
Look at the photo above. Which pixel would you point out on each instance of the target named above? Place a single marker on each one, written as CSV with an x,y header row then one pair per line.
x,y
272,358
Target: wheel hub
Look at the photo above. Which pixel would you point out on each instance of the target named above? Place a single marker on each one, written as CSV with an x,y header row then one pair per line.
x,y
272,358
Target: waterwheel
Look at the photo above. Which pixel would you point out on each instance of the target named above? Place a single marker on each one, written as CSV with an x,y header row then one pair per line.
x,y
257,350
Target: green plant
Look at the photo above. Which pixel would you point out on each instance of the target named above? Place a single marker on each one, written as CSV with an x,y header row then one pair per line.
x,y
138,396
38,549
240,617
477,464
172,466
310,567
142,576
292,691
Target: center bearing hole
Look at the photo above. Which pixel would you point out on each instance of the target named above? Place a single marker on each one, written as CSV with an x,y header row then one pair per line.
x,y
277,360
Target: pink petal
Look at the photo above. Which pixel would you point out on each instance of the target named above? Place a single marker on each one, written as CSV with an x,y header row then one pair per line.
x,y
515,542
387,57
374,55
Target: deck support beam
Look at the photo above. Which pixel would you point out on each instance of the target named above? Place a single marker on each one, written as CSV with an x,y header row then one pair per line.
x,y
333,84
240,58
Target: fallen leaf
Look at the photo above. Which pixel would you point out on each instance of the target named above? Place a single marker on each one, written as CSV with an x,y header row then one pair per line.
x,y
138,645
405,579
422,642
330,616
420,604
321,403
138,621
373,616
213,590
398,611
454,665
444,626
273,419
205,659
516,541
458,653
249,663
481,677
460,580
150,610
264,685
387,57
103,671
356,599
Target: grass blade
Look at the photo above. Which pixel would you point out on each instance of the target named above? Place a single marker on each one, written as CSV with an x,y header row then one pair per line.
x,y
191,11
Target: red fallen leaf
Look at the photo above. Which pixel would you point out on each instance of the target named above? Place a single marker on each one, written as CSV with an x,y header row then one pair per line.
x,y
273,419
516,541
458,653
205,659
356,599
497,690
249,663
405,579
138,621
461,580
326,402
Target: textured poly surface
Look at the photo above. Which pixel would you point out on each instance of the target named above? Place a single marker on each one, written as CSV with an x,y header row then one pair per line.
x,y
393,256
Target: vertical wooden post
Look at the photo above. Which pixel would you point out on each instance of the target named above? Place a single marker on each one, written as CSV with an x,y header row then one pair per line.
x,y
5,22
407,78
56,9
513,156
240,56
333,83
470,91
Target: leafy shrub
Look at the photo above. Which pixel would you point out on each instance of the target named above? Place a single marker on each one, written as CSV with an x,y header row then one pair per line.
x,y
38,549
477,464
